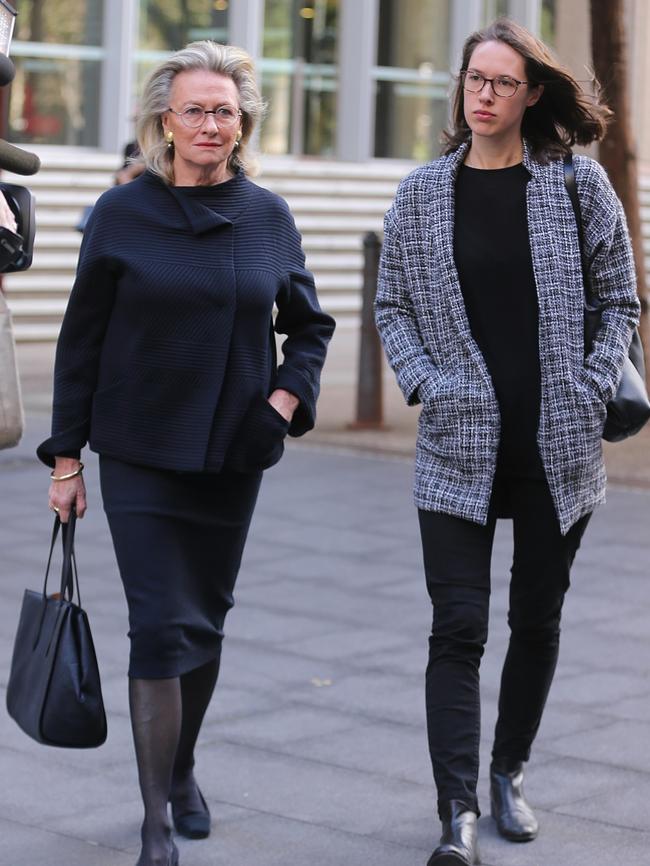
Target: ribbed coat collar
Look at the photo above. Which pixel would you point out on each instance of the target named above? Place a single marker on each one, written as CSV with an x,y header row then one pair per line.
x,y
199,217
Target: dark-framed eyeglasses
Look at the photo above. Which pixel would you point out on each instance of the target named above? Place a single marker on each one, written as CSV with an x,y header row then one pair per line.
x,y
502,85
194,116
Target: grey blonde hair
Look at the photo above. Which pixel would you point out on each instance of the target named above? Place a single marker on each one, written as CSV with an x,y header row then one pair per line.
x,y
226,60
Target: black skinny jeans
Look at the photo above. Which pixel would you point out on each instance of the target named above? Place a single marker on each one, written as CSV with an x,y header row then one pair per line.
x,y
457,557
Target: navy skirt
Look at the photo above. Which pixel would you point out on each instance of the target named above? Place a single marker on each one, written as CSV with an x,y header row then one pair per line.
x,y
179,539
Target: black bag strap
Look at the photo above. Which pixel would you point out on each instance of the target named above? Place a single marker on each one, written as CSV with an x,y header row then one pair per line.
x,y
69,574
572,189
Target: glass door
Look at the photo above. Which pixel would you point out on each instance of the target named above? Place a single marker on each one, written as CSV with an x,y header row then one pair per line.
x,y
298,74
169,25
412,78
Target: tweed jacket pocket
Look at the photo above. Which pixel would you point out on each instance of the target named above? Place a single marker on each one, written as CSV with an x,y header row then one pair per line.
x,y
259,441
589,405
452,422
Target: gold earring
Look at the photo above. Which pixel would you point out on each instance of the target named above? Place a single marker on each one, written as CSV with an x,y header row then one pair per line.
x,y
238,138
169,137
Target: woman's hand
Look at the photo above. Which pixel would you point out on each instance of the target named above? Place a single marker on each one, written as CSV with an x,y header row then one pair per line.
x,y
284,402
64,495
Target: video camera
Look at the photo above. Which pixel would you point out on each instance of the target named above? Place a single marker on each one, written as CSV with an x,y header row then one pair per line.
x,y
16,248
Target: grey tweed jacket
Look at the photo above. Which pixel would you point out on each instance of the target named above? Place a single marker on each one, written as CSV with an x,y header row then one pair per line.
x,y
426,335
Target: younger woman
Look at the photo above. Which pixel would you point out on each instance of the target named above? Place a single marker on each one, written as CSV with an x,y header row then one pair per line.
x,y
480,309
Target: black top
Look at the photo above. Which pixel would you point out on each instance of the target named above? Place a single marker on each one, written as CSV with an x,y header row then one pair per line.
x,y
166,352
493,258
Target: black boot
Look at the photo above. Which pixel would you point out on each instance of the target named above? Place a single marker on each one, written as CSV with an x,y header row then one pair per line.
x,y
458,843
515,819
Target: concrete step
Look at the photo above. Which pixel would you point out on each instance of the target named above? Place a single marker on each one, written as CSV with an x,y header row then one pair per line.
x,y
333,282
341,224
32,281
57,220
35,332
328,205
65,239
47,179
36,308
336,243
45,260
338,187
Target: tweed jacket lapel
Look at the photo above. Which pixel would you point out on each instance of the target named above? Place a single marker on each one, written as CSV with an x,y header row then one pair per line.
x,y
443,271
440,244
556,264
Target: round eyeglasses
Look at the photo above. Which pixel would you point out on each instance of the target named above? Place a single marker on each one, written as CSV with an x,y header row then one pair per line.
x,y
502,85
194,116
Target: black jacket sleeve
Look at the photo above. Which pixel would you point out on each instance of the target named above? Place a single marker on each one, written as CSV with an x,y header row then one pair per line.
x,y
80,343
308,331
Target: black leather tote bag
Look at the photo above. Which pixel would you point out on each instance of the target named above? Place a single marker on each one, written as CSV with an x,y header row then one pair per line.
x,y
629,408
54,691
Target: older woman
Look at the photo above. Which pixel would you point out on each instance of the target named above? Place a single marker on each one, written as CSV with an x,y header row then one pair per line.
x,y
166,365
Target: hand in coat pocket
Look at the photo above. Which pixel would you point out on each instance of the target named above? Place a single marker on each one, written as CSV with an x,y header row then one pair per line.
x,y
259,442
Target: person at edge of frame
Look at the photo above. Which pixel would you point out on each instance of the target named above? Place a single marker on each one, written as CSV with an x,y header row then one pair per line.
x,y
166,366
480,310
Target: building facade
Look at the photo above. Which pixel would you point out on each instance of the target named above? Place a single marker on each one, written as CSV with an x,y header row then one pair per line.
x,y
346,79
357,92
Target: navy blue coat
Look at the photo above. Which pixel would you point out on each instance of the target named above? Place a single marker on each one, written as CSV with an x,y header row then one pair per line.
x,y
166,353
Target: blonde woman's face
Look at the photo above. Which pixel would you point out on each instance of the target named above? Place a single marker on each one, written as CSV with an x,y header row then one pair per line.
x,y
202,151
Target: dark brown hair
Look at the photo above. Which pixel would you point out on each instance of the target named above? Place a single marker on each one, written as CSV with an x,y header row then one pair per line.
x,y
563,116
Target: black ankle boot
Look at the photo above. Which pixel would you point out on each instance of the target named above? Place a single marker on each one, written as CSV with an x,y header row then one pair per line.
x,y
458,843
515,819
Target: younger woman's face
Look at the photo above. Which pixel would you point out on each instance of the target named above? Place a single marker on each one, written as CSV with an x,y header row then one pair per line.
x,y
489,115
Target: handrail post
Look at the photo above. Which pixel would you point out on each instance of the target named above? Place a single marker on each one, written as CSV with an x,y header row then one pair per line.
x,y
370,410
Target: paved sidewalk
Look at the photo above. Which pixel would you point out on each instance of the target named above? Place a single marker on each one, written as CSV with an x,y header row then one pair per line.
x,y
314,749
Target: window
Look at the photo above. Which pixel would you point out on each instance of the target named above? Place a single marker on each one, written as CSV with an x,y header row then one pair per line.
x,y
169,25
412,78
298,76
57,50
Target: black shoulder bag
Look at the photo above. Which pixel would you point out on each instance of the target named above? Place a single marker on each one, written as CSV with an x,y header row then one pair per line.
x,y
54,691
629,408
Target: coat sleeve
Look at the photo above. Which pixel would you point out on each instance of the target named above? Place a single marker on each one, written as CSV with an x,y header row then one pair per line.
x,y
396,319
80,344
612,277
307,327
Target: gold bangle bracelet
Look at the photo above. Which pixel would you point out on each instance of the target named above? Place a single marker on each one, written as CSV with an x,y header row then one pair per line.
x,y
69,475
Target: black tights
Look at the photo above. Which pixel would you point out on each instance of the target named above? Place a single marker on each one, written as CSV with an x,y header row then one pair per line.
x,y
457,557
166,717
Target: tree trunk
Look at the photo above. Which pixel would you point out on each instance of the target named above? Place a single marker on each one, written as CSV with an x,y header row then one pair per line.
x,y
617,150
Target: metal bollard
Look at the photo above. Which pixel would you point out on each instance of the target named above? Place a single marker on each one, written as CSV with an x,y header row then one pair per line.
x,y
370,410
